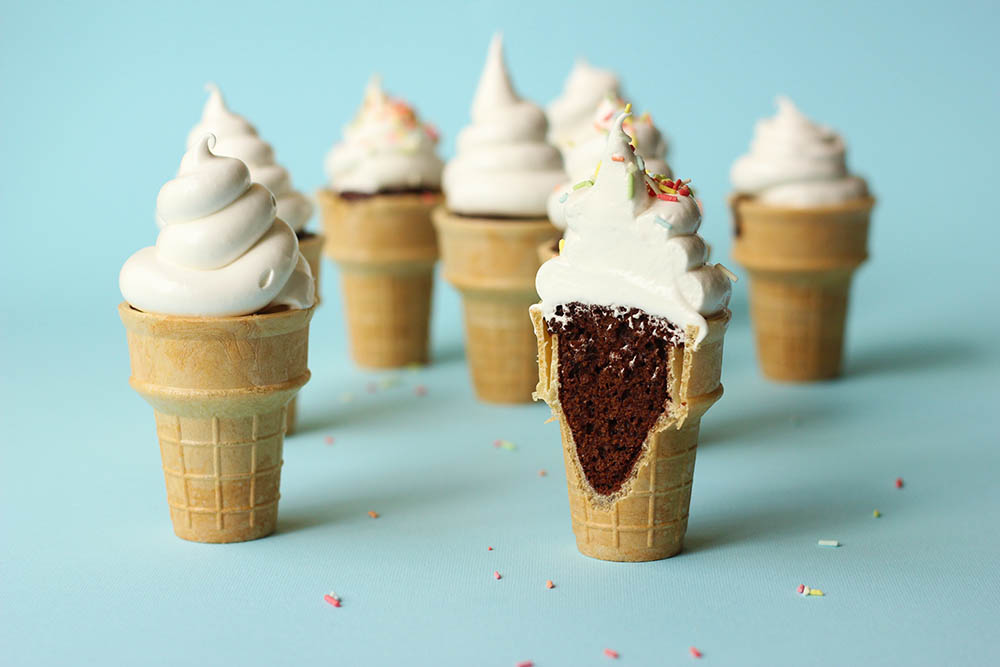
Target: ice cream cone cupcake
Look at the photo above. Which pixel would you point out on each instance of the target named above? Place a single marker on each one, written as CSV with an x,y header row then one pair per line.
x,y
236,137
217,318
571,114
490,229
630,331
385,178
800,224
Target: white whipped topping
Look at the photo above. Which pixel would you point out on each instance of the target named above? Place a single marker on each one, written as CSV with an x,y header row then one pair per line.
x,y
221,250
385,147
571,113
582,156
629,248
503,166
236,137
795,162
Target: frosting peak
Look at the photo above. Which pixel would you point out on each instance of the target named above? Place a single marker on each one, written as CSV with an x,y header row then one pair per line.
x,y
632,241
503,165
385,147
237,137
221,251
795,162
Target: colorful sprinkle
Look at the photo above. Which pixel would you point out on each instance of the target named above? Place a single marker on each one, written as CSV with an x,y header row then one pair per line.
x,y
666,197
611,654
828,543
876,514
805,591
504,444
489,548
563,197
630,186
597,170
496,574
525,663
373,514
729,274
542,473
899,482
628,109
549,584
562,242
583,184
420,390
332,599
617,158
695,653
328,439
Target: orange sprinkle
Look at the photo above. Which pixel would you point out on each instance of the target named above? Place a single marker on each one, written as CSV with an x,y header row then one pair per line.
x,y
549,584
611,654
373,514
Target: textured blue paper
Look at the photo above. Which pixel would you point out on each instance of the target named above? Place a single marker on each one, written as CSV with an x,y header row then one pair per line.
x,y
97,100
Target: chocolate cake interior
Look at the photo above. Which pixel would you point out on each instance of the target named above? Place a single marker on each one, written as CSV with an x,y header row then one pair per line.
x,y
355,196
614,383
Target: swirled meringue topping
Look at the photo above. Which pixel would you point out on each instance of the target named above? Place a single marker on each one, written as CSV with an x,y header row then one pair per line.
x,y
221,250
795,162
504,167
385,147
581,157
571,113
236,137
632,241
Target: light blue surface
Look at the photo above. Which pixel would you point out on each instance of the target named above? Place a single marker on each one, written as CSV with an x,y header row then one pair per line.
x,y
96,104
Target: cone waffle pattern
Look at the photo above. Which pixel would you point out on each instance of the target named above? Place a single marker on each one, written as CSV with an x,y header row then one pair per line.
x,y
801,262
386,248
646,519
493,265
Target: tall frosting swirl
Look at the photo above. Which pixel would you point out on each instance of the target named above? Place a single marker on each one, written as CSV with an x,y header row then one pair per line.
x,y
795,162
221,251
236,137
385,147
571,114
632,241
503,166
583,155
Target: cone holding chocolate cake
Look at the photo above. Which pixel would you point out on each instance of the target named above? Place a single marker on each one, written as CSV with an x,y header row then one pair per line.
x,y
217,319
629,335
800,225
385,179
491,226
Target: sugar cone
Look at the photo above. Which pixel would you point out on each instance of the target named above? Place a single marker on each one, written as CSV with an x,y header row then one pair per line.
x,y
385,247
493,264
800,262
219,388
647,518
548,250
311,246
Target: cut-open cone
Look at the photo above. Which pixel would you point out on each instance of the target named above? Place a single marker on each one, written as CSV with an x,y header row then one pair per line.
x,y
493,262
385,247
643,516
800,262
219,387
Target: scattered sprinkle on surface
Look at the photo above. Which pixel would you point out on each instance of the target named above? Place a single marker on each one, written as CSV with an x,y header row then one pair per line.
x,y
332,599
876,514
543,473
805,591
695,653
489,548
828,543
899,482
496,574
373,514
611,653
525,663
328,439
504,444
549,584
420,390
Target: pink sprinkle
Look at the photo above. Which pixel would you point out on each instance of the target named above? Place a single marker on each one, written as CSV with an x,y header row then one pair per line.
x,y
497,443
496,575
611,654
421,390
801,589
328,439
489,548
695,653
899,482
329,599
526,663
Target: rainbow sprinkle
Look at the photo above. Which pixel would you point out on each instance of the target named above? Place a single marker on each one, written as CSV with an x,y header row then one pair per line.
x,y
563,197
496,575
583,184
695,653
611,653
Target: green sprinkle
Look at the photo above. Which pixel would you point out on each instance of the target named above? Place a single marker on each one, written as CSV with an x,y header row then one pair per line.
x,y
583,184
630,186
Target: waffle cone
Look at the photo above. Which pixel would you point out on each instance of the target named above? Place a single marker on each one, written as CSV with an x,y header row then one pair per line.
x,y
385,247
801,262
312,249
492,263
646,519
219,388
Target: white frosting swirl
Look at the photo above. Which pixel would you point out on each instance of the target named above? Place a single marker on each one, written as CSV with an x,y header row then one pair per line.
x,y
221,250
571,113
583,156
385,147
236,137
503,165
795,162
627,247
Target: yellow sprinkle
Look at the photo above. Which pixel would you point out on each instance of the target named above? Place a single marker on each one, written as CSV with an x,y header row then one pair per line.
x,y
562,242
816,591
628,108
597,169
669,191
876,514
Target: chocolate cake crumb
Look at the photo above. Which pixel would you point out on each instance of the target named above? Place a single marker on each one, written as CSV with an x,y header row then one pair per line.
x,y
354,196
613,384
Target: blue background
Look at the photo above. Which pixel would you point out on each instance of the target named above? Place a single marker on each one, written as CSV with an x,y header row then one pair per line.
x,y
97,101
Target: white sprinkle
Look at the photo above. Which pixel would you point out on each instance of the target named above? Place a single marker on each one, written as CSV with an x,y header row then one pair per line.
x,y
729,274
829,543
